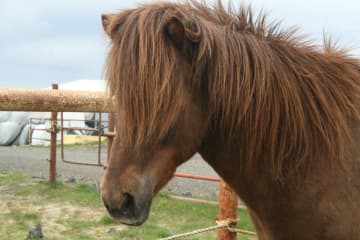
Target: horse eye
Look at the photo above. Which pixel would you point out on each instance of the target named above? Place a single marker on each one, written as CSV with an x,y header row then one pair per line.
x,y
168,136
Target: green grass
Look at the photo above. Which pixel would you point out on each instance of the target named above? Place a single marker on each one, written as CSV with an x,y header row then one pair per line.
x,y
75,211
12,178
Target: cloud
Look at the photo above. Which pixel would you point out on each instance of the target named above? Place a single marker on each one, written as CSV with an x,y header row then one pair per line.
x,y
45,41
65,52
52,39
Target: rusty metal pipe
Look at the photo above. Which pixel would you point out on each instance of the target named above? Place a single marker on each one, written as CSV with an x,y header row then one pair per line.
x,y
110,137
48,100
62,150
99,139
198,177
227,210
53,132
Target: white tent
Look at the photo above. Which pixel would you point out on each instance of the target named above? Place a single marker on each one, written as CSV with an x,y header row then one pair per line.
x,y
14,126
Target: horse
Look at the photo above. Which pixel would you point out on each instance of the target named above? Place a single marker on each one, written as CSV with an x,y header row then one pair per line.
x,y
275,115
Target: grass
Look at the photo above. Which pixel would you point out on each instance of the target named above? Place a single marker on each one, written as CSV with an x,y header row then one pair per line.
x,y
74,211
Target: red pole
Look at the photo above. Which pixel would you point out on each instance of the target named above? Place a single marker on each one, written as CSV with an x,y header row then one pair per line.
x,y
110,138
53,132
227,210
199,177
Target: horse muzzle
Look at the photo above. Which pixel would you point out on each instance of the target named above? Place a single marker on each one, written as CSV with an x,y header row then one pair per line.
x,y
128,208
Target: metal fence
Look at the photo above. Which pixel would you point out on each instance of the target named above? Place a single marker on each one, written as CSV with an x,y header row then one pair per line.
x,y
53,100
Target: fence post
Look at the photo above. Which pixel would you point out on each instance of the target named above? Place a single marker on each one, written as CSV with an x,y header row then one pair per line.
x,y
227,210
53,133
110,130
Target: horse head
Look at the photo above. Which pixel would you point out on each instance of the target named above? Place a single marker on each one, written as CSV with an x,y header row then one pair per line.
x,y
160,121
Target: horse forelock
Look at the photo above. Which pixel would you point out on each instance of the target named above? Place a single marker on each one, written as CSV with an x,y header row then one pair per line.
x,y
282,98
141,72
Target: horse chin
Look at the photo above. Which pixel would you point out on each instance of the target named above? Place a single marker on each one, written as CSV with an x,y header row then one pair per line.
x,y
135,221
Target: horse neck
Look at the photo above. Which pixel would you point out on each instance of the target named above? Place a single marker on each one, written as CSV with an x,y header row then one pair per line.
x,y
297,205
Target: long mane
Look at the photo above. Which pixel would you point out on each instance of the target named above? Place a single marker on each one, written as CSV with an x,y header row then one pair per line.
x,y
282,98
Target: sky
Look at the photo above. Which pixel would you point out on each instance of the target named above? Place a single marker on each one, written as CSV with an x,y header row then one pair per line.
x,y
44,42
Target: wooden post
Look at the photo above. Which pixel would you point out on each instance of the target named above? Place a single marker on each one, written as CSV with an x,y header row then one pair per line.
x,y
53,133
227,210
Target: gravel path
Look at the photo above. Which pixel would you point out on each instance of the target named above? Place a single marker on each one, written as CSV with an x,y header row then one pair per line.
x,y
34,162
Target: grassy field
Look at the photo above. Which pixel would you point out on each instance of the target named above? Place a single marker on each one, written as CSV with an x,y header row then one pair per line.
x,y
75,211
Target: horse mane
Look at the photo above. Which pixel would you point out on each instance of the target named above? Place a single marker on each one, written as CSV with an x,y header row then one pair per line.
x,y
275,95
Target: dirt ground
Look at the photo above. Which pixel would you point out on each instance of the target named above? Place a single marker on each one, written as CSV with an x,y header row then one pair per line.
x,y
34,161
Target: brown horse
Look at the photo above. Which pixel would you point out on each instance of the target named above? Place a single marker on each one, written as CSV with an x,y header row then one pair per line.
x,y
277,117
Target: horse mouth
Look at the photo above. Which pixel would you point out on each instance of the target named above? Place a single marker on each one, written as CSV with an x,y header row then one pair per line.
x,y
131,211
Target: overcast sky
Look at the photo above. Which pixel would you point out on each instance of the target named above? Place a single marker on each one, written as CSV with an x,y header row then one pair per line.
x,y
44,42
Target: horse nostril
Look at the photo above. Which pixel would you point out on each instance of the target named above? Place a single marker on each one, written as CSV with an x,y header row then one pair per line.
x,y
128,205
129,202
126,208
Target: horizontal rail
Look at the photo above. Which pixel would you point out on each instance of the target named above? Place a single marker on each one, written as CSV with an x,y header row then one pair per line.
x,y
196,200
48,100
81,128
109,134
190,176
199,177
67,119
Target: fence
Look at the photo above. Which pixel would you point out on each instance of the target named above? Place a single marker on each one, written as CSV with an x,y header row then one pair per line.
x,y
81,101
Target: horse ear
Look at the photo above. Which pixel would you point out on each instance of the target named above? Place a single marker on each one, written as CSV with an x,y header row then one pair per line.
x,y
106,21
179,30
